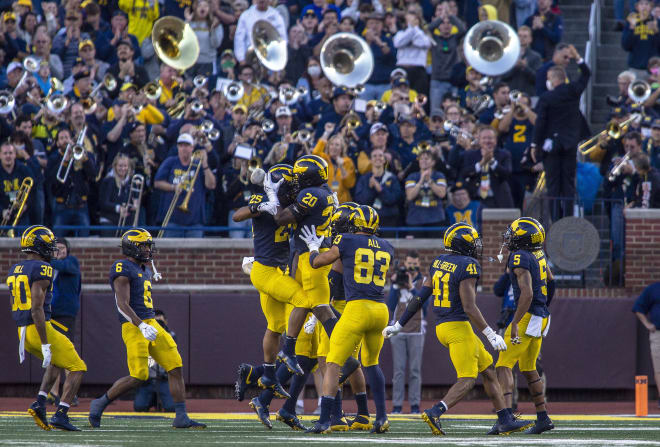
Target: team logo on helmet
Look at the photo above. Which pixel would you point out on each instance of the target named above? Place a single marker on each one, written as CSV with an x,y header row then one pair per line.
x,y
340,220
364,219
286,193
525,233
137,243
40,240
310,170
463,239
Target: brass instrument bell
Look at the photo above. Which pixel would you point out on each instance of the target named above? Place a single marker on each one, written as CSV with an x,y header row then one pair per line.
x,y
491,47
347,60
175,43
269,47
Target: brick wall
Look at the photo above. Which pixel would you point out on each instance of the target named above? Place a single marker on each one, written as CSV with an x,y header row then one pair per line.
x,y
642,263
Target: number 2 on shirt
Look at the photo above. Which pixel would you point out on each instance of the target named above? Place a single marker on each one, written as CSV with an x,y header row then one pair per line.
x,y
441,286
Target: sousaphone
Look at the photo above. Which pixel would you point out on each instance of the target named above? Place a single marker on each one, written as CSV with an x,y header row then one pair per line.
x,y
175,43
347,60
269,46
491,47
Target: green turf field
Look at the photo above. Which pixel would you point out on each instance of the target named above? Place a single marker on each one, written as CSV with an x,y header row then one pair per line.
x,y
242,429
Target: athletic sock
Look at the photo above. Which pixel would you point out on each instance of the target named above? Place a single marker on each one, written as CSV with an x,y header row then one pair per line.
x,y
503,416
361,401
376,381
266,397
298,383
105,400
41,398
257,372
336,408
542,415
63,407
326,408
329,325
441,407
283,374
180,409
289,347
269,371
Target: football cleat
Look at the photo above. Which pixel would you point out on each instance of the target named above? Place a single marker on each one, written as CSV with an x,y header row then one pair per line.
x,y
414,409
381,426
432,418
512,426
350,366
319,428
241,384
60,421
96,408
262,412
338,424
290,419
360,422
278,390
186,422
38,412
539,427
291,363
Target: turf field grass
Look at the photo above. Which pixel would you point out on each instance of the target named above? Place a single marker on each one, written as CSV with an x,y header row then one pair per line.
x,y
235,429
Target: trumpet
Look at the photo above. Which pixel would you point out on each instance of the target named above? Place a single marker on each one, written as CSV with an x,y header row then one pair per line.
x,y
456,132
57,103
18,205
616,170
211,132
89,105
134,196
302,136
7,102
189,187
31,65
639,91
267,125
614,130
152,91
109,83
234,91
380,107
254,163
421,99
288,95
351,120
200,81
197,106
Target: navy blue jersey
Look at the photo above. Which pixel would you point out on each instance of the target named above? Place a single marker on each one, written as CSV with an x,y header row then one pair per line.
x,y
536,264
366,260
20,279
313,206
446,273
336,281
271,242
140,281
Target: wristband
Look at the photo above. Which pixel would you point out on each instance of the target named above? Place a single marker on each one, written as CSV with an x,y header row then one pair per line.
x,y
313,256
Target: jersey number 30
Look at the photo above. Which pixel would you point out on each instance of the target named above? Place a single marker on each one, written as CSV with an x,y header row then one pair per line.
x,y
365,259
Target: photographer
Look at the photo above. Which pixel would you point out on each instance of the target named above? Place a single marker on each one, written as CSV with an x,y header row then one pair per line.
x,y
408,345
155,392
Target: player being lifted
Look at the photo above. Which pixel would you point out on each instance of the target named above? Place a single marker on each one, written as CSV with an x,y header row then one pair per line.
x,y
30,285
533,287
365,259
452,282
313,206
130,279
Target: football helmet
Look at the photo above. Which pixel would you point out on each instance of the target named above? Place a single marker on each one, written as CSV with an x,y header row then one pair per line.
x,y
525,233
309,171
463,239
137,243
364,219
340,220
286,193
40,240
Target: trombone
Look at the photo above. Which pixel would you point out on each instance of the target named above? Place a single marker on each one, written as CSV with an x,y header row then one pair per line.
x,y
18,205
31,65
188,186
614,130
109,82
134,197
616,170
77,150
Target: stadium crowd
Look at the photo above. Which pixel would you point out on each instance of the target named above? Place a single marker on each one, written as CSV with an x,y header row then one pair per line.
x,y
427,141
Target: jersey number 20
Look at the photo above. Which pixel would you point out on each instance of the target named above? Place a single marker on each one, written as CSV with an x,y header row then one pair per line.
x,y
364,266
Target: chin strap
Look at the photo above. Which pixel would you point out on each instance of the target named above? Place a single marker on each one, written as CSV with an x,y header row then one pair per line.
x,y
156,276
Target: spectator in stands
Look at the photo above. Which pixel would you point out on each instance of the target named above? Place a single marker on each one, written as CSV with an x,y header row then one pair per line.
x,y
380,189
652,144
66,298
641,38
114,193
646,183
127,69
12,174
547,29
342,100
407,345
341,169
209,32
42,51
298,54
67,40
97,67
623,80
118,32
444,54
524,9
141,16
501,104
174,175
412,45
462,209
522,76
16,47
559,126
98,30
647,310
560,57
384,53
473,93
155,392
425,191
260,10
406,143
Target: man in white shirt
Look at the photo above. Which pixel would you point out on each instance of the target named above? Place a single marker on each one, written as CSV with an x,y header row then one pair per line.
x,y
258,11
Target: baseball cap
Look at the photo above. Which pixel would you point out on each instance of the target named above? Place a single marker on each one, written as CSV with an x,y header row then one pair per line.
x,y
84,73
458,185
126,85
125,42
375,127
283,111
27,3
119,12
227,52
338,91
239,107
398,72
617,112
84,43
185,138
9,16
309,10
399,82
13,66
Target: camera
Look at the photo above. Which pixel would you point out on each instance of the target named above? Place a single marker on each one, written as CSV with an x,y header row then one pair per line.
x,y
402,277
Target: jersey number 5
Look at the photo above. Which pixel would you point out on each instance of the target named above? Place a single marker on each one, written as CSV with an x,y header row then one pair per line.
x,y
364,266
441,286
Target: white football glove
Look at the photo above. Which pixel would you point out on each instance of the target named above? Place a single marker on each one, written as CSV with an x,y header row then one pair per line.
x,y
45,351
309,237
268,207
392,330
310,325
495,340
247,264
271,188
149,332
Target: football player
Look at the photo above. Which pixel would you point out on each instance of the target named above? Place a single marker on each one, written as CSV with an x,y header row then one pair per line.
x,y
143,336
314,206
452,282
30,285
365,259
533,287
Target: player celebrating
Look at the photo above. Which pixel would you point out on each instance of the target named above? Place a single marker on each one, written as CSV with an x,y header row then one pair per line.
x,y
130,279
365,259
30,285
452,282
533,286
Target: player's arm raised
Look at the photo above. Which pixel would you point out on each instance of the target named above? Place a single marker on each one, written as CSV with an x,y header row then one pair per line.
x,y
525,300
38,291
413,306
314,241
122,286
468,294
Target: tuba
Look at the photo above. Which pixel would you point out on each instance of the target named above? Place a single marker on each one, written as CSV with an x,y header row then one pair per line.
x,y
491,47
175,43
269,46
347,60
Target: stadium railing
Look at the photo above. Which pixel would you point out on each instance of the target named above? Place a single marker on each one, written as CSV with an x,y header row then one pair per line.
x,y
591,56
